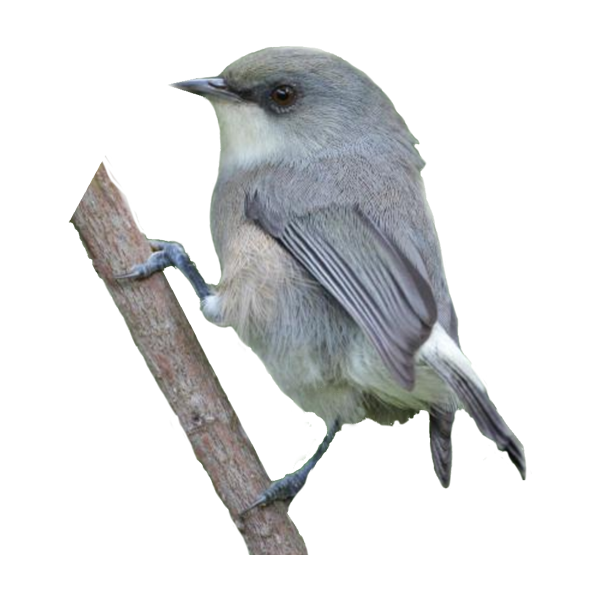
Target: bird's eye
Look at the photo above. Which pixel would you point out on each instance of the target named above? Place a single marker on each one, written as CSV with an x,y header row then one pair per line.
x,y
284,95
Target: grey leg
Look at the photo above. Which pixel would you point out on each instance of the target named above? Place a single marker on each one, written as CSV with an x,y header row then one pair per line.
x,y
290,485
169,254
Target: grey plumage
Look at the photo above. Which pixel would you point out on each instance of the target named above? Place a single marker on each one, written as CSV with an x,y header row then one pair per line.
x,y
375,283
440,440
331,266
476,402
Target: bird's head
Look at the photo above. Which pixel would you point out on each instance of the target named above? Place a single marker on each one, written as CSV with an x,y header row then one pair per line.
x,y
291,104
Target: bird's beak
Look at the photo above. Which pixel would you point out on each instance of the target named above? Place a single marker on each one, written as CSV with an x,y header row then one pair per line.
x,y
215,87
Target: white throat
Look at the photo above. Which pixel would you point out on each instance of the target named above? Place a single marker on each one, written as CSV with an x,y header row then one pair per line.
x,y
248,137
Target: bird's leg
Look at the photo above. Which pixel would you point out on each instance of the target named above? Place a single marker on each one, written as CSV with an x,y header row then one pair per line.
x,y
169,254
291,484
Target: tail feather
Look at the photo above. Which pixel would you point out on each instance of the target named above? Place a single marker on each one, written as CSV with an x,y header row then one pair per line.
x,y
478,404
440,431
515,453
444,356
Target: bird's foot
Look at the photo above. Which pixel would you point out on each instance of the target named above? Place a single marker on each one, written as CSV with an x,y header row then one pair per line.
x,y
282,489
168,254
289,487
164,254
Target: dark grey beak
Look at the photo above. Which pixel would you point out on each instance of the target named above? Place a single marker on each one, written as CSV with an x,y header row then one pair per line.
x,y
214,86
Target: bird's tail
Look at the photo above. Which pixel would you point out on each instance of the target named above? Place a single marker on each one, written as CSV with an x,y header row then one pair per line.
x,y
441,442
446,359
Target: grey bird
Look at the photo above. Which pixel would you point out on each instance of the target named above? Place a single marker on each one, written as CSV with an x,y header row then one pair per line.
x,y
331,269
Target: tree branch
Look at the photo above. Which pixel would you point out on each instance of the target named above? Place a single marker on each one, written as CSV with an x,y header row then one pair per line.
x,y
165,338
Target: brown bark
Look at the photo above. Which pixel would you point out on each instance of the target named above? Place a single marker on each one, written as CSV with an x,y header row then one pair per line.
x,y
165,338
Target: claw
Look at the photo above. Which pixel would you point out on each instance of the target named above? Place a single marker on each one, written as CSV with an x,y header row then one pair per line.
x,y
156,245
137,272
260,501
282,489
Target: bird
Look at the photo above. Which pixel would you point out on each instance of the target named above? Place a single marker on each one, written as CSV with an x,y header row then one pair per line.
x,y
331,267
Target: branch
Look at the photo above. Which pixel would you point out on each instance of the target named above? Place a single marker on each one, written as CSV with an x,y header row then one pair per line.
x,y
165,338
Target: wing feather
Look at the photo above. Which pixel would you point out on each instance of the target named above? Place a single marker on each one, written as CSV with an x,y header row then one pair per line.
x,y
365,271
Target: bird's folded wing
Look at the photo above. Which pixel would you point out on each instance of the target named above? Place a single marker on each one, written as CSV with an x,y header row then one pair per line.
x,y
365,271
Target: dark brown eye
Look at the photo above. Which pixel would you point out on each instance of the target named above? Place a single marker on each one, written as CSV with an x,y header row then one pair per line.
x,y
283,95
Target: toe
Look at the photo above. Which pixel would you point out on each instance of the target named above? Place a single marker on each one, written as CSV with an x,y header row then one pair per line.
x,y
136,272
